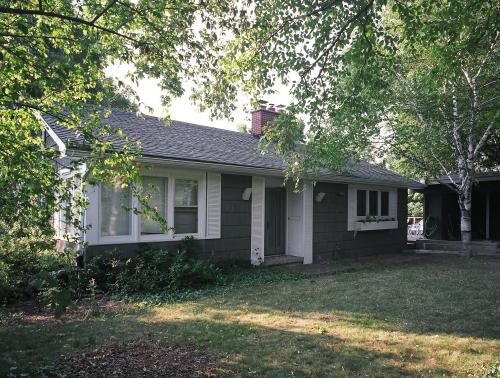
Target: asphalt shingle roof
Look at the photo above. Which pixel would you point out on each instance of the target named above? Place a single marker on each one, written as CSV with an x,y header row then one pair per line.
x,y
187,141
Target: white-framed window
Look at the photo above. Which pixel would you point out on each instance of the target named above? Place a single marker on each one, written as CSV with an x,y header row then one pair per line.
x,y
371,208
186,210
189,202
115,215
178,197
372,203
156,188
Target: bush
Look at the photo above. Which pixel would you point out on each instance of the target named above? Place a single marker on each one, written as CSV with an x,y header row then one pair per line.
x,y
22,258
150,270
494,372
30,268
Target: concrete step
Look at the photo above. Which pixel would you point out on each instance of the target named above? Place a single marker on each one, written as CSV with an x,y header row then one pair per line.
x,y
277,260
437,252
478,247
457,253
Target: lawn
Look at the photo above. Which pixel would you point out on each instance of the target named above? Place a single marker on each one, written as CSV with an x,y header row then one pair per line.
x,y
428,316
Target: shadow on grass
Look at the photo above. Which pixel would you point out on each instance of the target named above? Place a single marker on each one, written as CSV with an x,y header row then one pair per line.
x,y
445,296
455,296
240,349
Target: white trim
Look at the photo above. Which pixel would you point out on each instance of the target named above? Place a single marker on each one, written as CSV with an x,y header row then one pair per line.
x,y
214,204
255,171
307,219
60,144
359,223
257,239
93,213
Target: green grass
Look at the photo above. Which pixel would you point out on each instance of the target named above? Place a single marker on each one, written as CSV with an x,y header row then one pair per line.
x,y
427,317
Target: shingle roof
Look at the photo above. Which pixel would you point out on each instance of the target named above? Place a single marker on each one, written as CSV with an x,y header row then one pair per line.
x,y
187,141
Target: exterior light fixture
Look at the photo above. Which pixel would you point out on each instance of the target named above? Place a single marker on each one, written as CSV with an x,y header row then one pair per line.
x,y
319,197
246,194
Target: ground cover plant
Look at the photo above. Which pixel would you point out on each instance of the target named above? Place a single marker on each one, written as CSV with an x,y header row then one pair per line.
x,y
410,316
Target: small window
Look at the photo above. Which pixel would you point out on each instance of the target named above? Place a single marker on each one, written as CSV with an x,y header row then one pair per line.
x,y
384,203
115,216
156,189
186,206
373,203
361,203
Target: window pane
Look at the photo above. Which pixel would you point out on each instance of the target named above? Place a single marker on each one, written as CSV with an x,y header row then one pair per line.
x,y
115,219
361,200
384,203
186,206
186,193
186,220
156,188
373,202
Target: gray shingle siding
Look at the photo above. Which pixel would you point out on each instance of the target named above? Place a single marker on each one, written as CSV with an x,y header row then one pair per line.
x,y
331,239
234,243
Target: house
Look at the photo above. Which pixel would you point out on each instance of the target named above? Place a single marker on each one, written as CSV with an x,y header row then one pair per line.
x,y
442,213
217,186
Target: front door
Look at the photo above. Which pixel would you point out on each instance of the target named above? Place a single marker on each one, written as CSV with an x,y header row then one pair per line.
x,y
275,221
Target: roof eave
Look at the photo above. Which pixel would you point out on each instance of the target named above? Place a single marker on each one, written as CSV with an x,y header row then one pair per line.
x,y
252,170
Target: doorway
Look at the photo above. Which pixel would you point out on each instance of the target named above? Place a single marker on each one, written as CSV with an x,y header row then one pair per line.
x,y
275,221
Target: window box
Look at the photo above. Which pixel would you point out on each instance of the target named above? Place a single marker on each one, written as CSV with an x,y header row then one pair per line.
x,y
372,207
369,224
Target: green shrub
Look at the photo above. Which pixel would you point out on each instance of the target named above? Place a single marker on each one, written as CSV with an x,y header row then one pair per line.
x,y
30,268
22,257
150,270
494,372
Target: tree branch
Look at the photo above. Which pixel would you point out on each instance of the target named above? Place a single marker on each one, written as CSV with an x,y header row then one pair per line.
x,y
77,20
104,10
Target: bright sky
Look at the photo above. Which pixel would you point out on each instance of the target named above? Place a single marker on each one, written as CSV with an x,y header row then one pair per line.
x,y
182,109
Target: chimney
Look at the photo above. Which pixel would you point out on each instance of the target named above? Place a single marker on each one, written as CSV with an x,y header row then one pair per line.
x,y
262,117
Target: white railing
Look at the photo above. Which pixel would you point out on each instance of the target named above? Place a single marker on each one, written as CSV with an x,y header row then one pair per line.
x,y
415,228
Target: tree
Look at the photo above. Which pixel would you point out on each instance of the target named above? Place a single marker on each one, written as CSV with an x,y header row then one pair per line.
x,y
53,55
412,79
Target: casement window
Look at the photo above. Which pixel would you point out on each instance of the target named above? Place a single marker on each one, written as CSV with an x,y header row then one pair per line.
x,y
156,188
186,206
384,203
189,202
371,208
115,203
372,203
361,202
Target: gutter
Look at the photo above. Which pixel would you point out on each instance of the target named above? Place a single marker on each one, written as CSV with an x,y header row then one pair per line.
x,y
249,170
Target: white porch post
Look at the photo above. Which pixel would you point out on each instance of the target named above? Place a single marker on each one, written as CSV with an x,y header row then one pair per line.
x,y
258,220
307,222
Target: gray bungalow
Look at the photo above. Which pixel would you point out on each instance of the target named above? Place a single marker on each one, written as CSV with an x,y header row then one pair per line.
x,y
216,186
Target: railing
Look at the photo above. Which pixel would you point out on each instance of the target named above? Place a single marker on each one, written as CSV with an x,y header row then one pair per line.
x,y
415,228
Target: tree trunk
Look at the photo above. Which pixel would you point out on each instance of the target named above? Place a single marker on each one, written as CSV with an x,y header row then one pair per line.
x,y
465,202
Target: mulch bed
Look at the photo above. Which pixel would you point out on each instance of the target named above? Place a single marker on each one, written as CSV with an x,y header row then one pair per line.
x,y
29,312
138,359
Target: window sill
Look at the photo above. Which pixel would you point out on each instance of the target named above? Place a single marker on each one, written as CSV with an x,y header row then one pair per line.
x,y
375,225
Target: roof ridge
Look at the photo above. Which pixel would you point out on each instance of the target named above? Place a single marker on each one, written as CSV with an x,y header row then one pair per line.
x,y
182,122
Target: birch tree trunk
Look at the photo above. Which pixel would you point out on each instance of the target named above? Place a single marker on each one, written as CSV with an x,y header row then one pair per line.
x,y
465,204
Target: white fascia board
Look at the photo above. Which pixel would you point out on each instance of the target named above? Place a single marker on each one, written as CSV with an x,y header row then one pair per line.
x,y
254,171
53,135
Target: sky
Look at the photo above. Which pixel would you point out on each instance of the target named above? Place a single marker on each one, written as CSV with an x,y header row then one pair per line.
x,y
182,109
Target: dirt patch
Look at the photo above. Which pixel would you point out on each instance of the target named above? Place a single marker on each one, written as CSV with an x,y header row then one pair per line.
x,y
139,359
31,313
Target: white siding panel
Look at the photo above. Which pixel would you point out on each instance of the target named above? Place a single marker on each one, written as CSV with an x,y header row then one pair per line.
x,y
258,219
92,215
308,222
213,205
